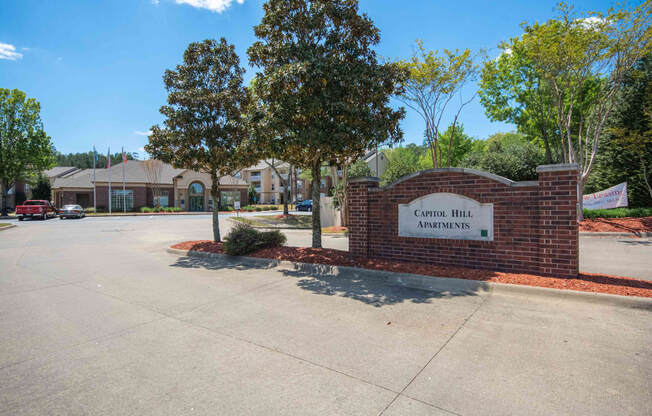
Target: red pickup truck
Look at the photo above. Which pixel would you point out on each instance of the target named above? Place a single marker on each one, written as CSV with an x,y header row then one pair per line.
x,y
36,208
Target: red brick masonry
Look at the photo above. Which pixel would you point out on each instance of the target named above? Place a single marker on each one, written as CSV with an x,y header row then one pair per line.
x,y
535,223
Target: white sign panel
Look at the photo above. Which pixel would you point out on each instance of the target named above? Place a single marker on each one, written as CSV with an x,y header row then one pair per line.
x,y
446,215
236,205
614,197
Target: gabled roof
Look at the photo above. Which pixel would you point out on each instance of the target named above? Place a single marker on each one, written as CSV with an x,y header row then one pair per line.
x,y
134,171
78,179
59,171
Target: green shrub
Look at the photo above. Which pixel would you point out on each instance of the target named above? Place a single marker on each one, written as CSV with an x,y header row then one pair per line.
x,y
89,210
145,209
618,213
244,239
258,209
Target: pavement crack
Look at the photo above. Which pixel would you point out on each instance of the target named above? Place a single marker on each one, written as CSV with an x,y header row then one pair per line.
x,y
440,349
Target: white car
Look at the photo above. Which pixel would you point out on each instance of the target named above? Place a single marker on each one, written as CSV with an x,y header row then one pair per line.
x,y
72,211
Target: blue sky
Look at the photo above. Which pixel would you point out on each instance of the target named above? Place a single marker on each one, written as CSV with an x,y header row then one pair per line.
x,y
96,66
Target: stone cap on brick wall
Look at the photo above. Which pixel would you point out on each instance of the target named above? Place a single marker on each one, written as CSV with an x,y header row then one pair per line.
x,y
496,178
365,179
558,167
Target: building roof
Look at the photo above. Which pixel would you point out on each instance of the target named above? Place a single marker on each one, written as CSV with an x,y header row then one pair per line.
x,y
59,171
134,173
82,178
262,165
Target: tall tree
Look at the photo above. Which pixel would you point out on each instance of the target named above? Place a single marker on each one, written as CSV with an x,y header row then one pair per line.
x,y
42,189
434,81
322,90
626,148
584,59
204,129
25,149
512,90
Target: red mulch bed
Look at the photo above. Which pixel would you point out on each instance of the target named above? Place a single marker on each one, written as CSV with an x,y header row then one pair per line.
x,y
617,225
586,282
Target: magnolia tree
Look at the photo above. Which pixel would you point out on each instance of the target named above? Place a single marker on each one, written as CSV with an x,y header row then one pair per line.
x,y
321,90
435,85
583,60
204,129
25,149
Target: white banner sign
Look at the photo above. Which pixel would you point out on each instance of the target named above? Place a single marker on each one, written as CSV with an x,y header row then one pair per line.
x,y
446,215
614,197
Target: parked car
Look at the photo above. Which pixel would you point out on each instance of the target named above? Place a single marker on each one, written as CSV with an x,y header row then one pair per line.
x,y
305,205
36,208
72,211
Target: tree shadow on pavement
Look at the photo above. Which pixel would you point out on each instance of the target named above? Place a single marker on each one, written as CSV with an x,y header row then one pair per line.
x,y
365,286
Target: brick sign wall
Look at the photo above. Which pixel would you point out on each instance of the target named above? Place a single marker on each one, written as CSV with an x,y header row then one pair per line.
x,y
468,218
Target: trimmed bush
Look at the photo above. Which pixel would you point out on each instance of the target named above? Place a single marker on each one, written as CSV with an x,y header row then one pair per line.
x,y
244,239
618,213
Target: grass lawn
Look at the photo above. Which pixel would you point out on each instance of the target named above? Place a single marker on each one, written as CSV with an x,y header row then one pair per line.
x,y
618,213
4,224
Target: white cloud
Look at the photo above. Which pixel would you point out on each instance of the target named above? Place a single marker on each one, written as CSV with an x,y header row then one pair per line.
x,y
143,133
217,6
591,22
8,51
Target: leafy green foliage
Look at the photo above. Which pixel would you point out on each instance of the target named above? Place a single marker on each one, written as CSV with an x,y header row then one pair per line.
x,y
460,146
204,129
359,169
507,155
583,60
511,90
434,79
626,148
618,213
25,149
402,161
42,189
244,239
321,96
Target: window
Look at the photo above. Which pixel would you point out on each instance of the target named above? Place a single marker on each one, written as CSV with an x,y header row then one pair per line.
x,y
299,185
120,198
272,187
323,183
229,197
196,189
162,199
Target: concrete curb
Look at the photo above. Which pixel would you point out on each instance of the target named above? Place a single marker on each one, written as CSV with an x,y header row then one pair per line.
x,y
8,227
615,235
446,285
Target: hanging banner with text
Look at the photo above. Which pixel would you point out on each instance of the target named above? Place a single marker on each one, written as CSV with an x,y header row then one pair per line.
x,y
614,197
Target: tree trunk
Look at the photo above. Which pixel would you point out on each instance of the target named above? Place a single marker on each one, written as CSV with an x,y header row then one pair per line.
x,y
5,191
215,191
580,198
286,194
316,219
645,178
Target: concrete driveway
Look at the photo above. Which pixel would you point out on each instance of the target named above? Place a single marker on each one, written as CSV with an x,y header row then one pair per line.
x,y
97,319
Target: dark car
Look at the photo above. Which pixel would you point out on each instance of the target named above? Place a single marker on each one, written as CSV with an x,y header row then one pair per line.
x,y
305,205
72,211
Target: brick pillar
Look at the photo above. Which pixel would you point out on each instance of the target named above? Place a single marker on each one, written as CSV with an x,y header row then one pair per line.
x,y
358,199
559,230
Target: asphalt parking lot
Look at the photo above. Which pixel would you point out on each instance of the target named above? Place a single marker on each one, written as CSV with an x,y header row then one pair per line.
x,y
97,319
